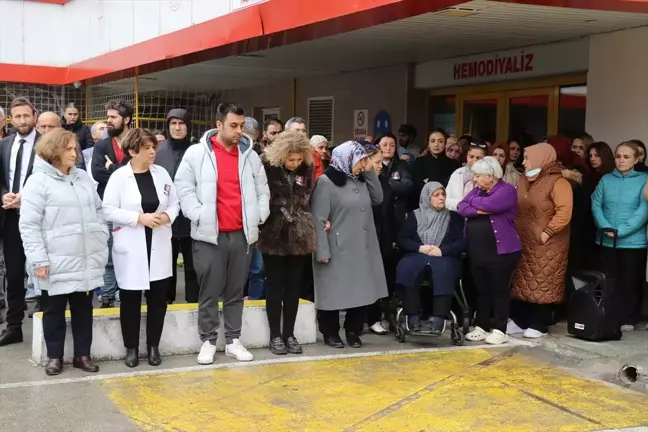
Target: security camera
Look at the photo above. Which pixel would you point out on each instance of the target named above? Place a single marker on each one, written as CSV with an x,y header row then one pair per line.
x,y
77,84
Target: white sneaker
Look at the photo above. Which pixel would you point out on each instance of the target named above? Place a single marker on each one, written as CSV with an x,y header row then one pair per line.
x,y
627,328
496,338
477,335
238,351
207,352
512,328
533,333
378,328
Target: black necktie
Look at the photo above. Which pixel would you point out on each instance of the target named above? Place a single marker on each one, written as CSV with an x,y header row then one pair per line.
x,y
15,187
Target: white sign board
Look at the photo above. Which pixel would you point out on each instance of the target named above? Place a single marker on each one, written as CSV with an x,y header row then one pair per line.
x,y
360,124
240,4
529,62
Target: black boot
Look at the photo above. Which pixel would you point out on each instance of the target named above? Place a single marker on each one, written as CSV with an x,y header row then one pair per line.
x,y
154,358
132,357
334,341
11,335
353,340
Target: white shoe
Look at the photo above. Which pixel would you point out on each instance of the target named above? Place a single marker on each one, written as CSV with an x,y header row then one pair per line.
x,y
207,352
378,328
533,333
238,351
496,338
477,335
512,328
627,328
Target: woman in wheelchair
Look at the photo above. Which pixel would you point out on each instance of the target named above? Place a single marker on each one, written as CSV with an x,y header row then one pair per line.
x,y
432,239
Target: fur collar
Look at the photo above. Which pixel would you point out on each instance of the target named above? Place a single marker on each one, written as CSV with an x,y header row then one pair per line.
x,y
338,178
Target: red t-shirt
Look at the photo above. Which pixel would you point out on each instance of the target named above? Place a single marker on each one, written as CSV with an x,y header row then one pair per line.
x,y
229,207
119,153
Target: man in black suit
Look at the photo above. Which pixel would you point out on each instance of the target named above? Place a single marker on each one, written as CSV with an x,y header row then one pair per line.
x,y
16,162
107,156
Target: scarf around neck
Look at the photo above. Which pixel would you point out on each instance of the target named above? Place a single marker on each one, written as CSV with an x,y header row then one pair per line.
x,y
431,224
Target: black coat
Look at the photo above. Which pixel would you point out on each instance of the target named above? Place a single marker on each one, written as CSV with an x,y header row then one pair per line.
x,y
401,189
82,132
384,220
289,229
428,169
100,174
169,155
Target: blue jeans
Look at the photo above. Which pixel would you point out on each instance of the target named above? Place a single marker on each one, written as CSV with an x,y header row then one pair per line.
x,y
109,290
256,277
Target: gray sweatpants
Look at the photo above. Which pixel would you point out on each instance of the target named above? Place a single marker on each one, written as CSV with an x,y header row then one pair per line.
x,y
222,272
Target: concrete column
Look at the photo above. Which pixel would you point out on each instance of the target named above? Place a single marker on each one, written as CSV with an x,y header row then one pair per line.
x,y
617,86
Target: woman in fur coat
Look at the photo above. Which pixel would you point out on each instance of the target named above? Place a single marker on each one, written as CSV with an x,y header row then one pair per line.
x,y
287,238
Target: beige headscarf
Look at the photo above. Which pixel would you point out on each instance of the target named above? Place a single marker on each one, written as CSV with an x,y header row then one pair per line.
x,y
540,156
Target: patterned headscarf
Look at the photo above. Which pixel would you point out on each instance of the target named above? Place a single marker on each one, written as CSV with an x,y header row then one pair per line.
x,y
346,156
431,224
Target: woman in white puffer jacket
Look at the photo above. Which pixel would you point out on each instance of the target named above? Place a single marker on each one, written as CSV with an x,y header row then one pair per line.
x,y
65,240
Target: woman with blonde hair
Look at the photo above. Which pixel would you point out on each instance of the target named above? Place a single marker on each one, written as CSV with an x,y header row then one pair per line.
x,y
65,239
287,238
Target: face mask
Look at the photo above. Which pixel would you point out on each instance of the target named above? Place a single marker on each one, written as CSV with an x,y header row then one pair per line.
x,y
533,172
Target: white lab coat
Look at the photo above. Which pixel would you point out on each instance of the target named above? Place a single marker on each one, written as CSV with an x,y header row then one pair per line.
x,y
122,205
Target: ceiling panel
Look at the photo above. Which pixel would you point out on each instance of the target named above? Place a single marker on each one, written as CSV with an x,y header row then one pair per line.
x,y
488,26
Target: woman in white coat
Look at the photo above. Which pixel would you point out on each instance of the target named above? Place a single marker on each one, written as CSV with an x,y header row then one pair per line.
x,y
461,181
65,239
140,200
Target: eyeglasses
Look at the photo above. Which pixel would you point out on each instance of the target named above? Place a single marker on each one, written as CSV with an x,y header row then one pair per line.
x,y
481,146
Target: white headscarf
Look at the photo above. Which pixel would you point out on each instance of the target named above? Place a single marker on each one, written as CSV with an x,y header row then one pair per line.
x,y
316,139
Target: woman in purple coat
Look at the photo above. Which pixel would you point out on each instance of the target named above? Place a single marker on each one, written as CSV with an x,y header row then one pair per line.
x,y
493,246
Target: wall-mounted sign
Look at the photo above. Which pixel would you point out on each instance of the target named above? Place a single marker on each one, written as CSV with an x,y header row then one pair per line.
x,y
382,123
360,124
530,62
522,62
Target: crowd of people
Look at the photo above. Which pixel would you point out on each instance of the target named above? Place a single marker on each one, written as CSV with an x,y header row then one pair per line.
x,y
273,214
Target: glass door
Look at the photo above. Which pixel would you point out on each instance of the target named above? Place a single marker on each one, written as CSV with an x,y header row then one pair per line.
x,y
527,114
480,115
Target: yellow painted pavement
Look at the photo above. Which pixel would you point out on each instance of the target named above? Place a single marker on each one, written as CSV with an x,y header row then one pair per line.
x,y
454,391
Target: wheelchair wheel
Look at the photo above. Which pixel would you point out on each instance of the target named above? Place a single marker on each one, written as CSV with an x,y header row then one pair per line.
x,y
466,324
401,336
457,337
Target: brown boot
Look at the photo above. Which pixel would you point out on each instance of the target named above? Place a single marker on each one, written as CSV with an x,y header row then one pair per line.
x,y
54,366
85,363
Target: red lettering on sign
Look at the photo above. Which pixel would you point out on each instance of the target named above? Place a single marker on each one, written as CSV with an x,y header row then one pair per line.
x,y
524,62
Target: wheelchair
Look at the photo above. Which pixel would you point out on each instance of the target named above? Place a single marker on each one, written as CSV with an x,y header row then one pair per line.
x,y
460,314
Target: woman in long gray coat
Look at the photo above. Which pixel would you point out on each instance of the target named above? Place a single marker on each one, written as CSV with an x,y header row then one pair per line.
x,y
65,239
347,267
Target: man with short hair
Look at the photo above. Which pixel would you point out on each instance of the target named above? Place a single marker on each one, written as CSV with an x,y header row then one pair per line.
x,y
169,154
47,121
406,136
271,128
97,130
107,156
297,124
223,190
16,163
256,277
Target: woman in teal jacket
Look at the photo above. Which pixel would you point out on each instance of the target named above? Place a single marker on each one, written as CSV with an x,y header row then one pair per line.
x,y
618,203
